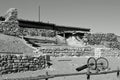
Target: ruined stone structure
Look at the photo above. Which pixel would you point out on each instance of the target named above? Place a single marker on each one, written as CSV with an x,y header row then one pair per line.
x,y
52,33
11,25
11,21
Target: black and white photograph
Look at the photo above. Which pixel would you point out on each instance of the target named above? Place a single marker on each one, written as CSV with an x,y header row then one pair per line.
x,y
59,39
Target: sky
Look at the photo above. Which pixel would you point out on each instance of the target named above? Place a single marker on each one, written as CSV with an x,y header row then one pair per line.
x,y
98,15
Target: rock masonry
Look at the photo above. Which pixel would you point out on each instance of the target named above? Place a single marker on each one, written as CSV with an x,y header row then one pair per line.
x,y
10,25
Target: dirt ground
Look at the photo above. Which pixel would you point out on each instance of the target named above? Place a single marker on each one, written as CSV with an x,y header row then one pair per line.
x,y
68,65
14,44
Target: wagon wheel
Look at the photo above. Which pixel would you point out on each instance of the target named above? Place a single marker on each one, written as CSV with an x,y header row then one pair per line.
x,y
92,63
102,63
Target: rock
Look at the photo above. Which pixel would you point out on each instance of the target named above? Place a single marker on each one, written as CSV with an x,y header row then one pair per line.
x,y
11,15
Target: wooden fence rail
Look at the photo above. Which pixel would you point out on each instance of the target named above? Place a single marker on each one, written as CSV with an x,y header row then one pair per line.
x,y
47,76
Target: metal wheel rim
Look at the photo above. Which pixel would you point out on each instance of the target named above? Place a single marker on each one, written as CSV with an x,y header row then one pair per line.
x,y
91,63
102,63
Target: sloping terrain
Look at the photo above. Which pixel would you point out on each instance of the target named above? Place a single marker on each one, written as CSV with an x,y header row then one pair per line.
x,y
13,44
39,41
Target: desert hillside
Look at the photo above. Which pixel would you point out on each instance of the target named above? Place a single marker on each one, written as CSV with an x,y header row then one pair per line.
x,y
14,44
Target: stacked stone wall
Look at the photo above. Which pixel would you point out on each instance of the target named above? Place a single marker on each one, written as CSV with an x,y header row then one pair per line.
x,y
109,40
98,38
12,63
80,51
10,26
68,51
37,32
109,52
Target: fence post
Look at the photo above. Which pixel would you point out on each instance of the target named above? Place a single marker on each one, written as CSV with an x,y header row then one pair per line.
x,y
118,73
46,75
88,73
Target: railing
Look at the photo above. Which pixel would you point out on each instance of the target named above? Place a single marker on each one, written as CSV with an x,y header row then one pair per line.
x,y
47,76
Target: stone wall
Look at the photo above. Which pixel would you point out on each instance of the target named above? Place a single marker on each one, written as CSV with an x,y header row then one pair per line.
x,y
10,25
109,52
36,32
59,51
9,28
11,15
98,38
14,63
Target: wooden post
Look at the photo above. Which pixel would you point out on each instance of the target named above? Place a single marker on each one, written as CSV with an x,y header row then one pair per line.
x,y
39,13
46,75
64,34
88,73
55,33
118,73
64,37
